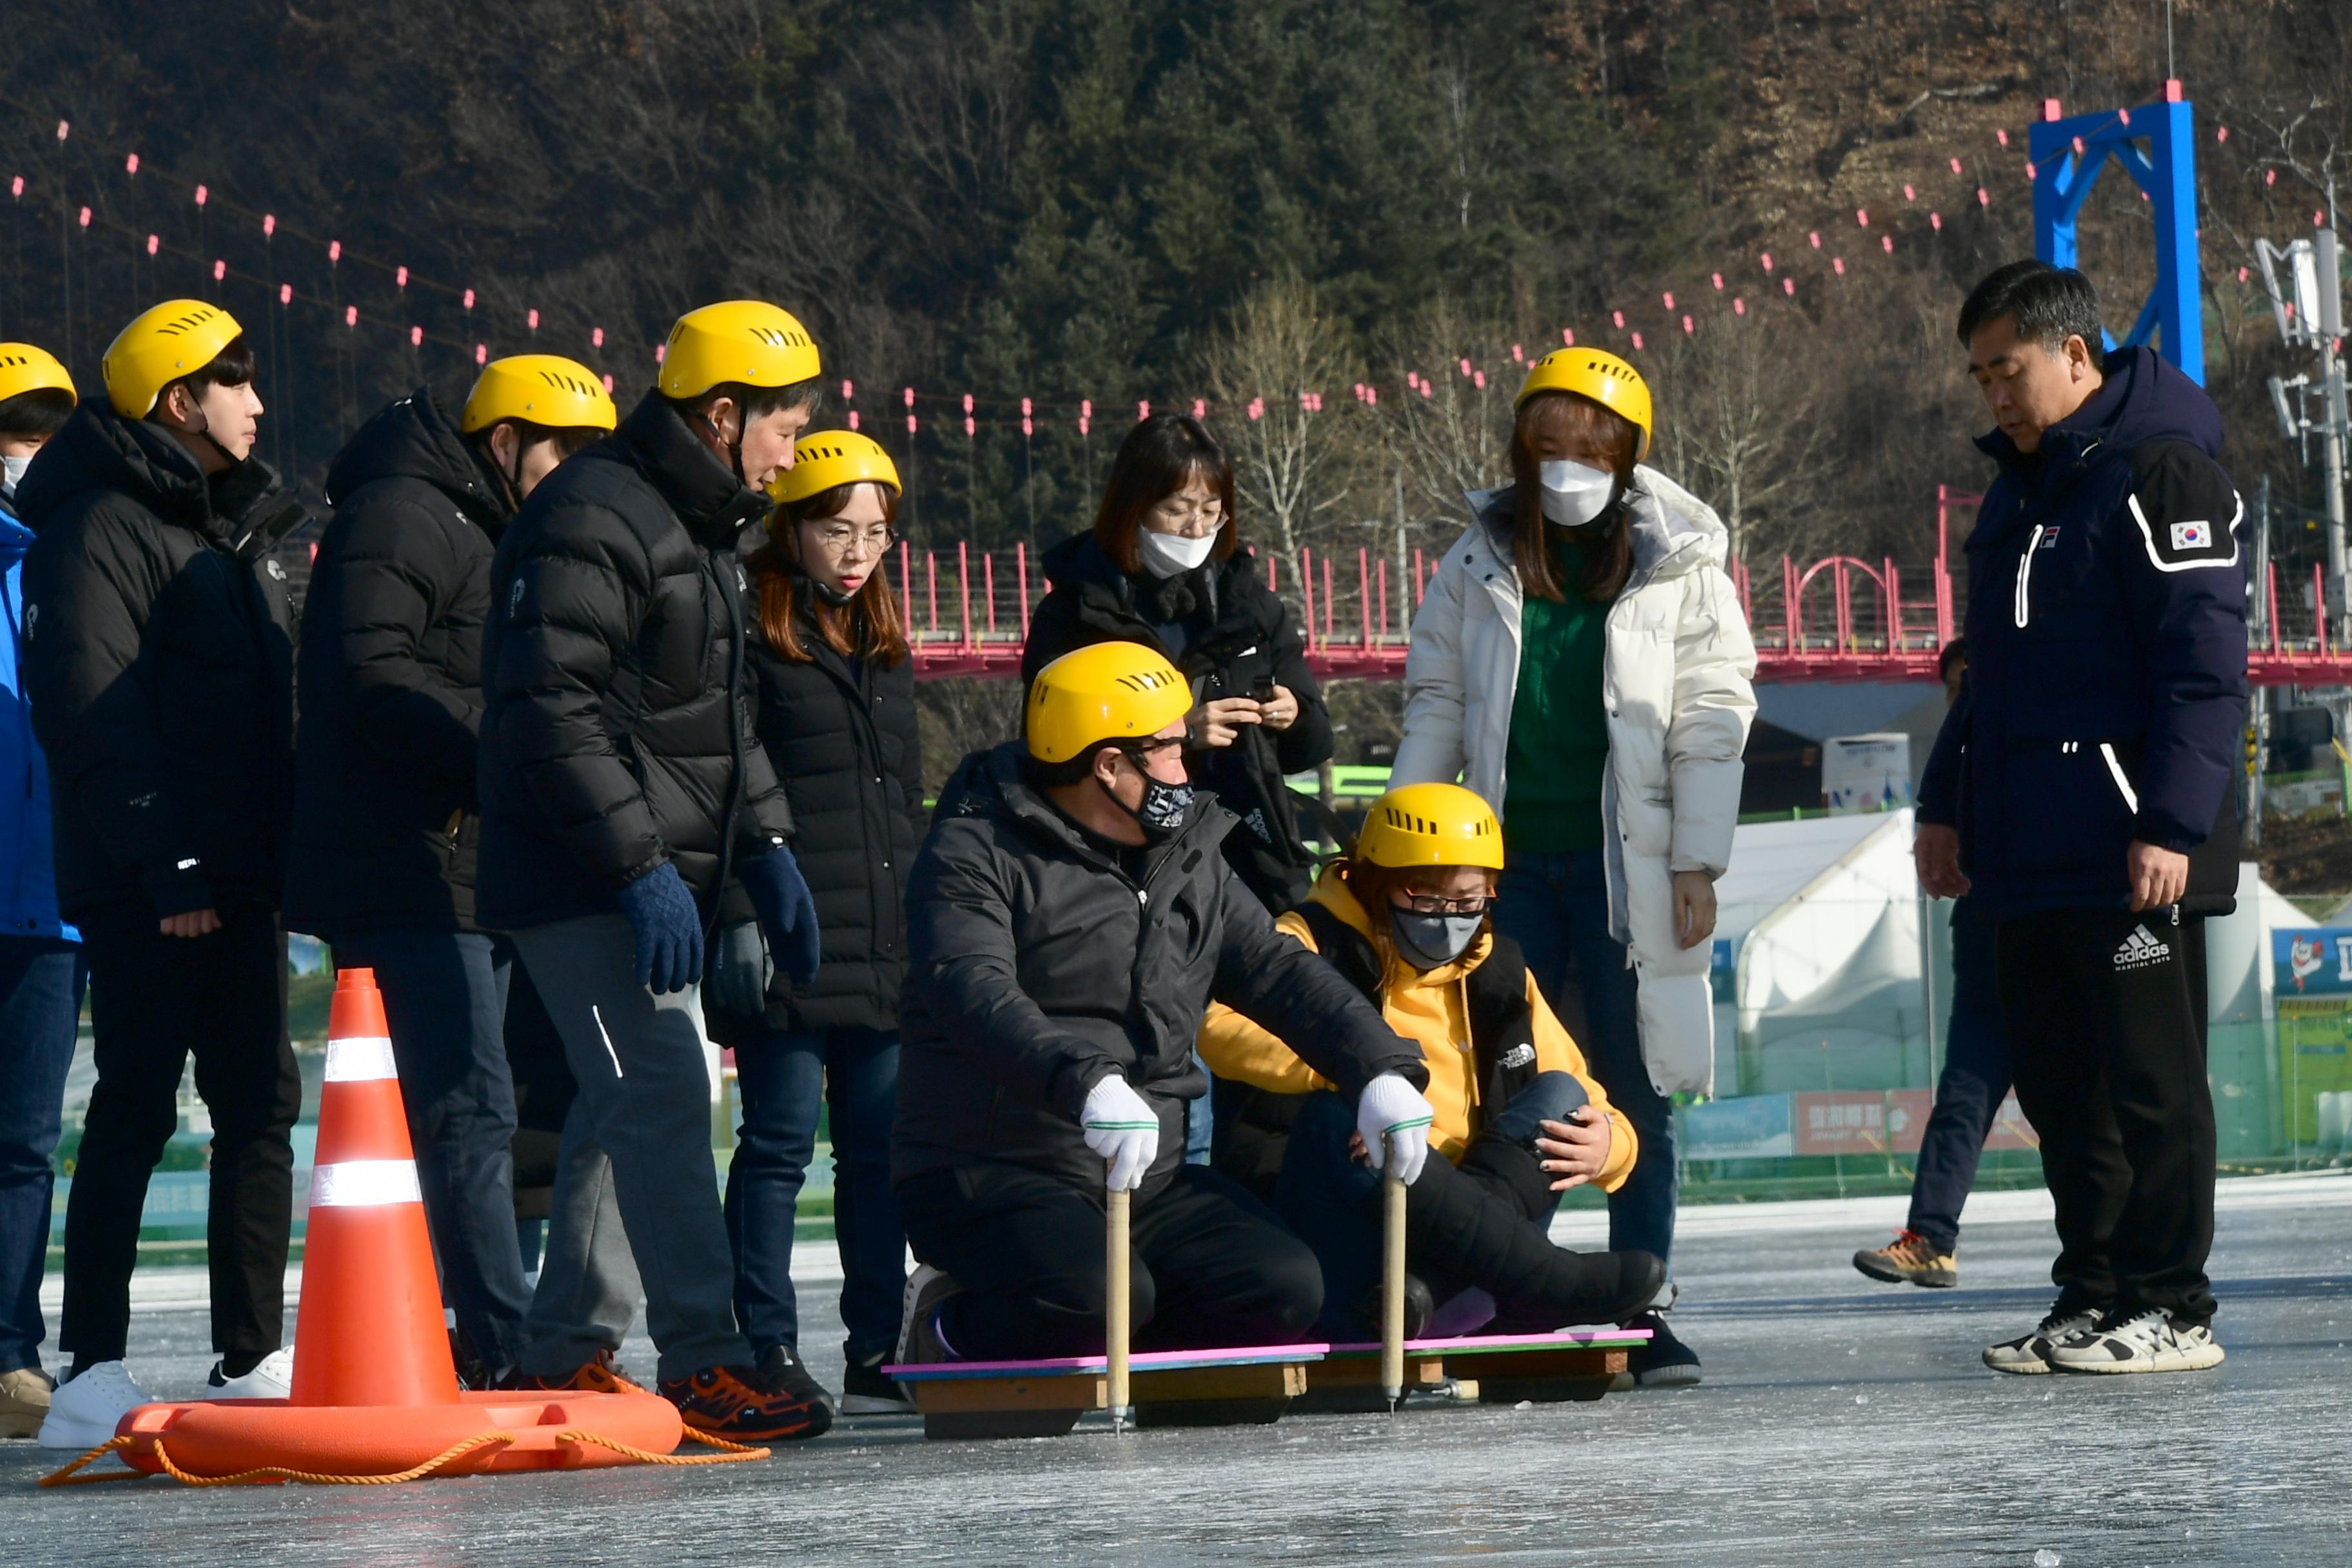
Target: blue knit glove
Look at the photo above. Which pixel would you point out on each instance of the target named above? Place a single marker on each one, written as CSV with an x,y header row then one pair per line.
x,y
668,930
779,896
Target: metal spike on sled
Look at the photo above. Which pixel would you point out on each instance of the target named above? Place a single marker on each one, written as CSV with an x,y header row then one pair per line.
x,y
1247,1386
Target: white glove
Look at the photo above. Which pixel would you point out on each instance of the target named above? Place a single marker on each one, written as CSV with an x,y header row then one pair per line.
x,y
1123,1129
1391,1114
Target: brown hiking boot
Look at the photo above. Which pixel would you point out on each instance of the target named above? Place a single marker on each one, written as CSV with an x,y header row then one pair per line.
x,y
1910,1259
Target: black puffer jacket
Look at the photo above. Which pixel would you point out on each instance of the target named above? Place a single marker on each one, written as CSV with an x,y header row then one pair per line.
x,y
618,732
160,661
391,680
842,735
1041,962
1230,629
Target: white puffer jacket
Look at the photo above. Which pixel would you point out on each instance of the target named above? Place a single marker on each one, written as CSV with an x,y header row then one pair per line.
x,y
1676,671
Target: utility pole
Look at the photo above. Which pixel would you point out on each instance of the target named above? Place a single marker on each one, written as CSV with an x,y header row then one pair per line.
x,y
2307,302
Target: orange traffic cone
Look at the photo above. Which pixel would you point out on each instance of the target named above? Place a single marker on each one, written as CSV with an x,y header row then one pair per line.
x,y
370,1329
376,1395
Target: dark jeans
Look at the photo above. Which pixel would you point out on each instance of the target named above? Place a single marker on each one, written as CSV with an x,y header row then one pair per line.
x,y
2103,1008
1333,1200
1975,1080
785,1078
1211,1265
40,1005
1555,907
154,1000
444,998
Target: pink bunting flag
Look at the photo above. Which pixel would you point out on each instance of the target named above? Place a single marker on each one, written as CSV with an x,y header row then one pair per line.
x,y
351,315
481,354
469,305
220,270
531,319
596,341
334,252
1619,318
1670,298
415,337
1199,409
1766,259
1815,236
286,293
1637,342
1142,410
1837,265
910,398
268,224
400,278
85,218
1687,328
152,243
1719,282
1739,306
131,164
1568,336
1862,218
203,195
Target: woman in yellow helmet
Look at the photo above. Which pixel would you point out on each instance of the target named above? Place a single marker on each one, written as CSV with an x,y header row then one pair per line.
x,y
1407,918
1580,660
837,714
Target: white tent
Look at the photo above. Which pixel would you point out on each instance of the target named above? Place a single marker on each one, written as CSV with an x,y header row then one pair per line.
x,y
1818,941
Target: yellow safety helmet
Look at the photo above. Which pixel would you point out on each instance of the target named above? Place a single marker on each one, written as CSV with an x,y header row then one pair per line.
x,y
748,341
1598,375
545,389
1106,692
1431,824
24,368
831,458
176,338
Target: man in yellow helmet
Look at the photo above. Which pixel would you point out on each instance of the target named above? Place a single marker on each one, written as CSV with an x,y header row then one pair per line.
x,y
1520,1119
627,808
1069,919
159,654
41,967
385,803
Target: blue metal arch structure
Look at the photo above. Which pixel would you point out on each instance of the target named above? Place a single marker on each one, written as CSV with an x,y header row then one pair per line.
x,y
2071,153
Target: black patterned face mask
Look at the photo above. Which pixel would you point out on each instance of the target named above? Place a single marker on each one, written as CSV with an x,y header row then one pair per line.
x,y
1165,806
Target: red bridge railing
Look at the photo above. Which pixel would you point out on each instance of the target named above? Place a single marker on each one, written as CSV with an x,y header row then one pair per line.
x,y
1838,618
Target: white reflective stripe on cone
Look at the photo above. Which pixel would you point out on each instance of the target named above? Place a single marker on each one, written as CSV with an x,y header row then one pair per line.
x,y
362,1059
364,1183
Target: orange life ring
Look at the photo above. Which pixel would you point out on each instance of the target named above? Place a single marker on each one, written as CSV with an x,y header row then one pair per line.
x,y
229,1436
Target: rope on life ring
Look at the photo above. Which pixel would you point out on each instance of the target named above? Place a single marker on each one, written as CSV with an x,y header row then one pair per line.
x,y
734,1454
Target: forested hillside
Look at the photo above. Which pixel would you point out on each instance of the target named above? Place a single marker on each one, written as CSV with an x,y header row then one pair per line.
x,y
1113,201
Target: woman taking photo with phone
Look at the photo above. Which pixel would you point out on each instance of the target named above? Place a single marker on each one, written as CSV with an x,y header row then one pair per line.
x,y
1582,662
837,714
1163,566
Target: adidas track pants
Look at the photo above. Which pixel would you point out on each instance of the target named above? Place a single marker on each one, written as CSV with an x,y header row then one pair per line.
x,y
2103,1010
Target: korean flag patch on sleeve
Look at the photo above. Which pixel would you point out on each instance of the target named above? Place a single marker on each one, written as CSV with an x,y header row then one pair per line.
x,y
2185,511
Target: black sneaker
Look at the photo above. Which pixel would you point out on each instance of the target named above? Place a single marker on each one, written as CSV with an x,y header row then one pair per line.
x,y
1420,1306
919,1310
1665,1361
787,1374
868,1390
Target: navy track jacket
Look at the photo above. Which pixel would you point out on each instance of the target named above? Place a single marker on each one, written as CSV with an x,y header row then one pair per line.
x,y
2106,627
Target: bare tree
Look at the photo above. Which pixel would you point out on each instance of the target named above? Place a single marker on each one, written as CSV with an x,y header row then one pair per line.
x,y
1448,427
1744,431
1279,355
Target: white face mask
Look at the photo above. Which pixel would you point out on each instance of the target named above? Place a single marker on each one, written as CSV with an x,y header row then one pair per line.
x,y
15,473
1573,494
1166,555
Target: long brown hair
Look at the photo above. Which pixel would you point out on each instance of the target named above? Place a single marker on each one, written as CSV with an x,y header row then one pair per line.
x,y
1608,548
1160,457
867,627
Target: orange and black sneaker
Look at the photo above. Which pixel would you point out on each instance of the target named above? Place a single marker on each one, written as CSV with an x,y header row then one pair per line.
x,y
1910,1259
742,1404
602,1375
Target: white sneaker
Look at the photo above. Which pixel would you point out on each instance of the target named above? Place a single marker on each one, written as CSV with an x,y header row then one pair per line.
x,y
85,1410
272,1378
2145,1341
2030,1353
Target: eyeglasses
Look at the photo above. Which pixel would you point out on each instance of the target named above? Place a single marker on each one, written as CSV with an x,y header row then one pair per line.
x,y
838,541
1188,522
1140,753
1430,904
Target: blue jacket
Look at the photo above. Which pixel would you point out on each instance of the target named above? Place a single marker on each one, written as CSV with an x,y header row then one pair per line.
x,y
2105,693
28,879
